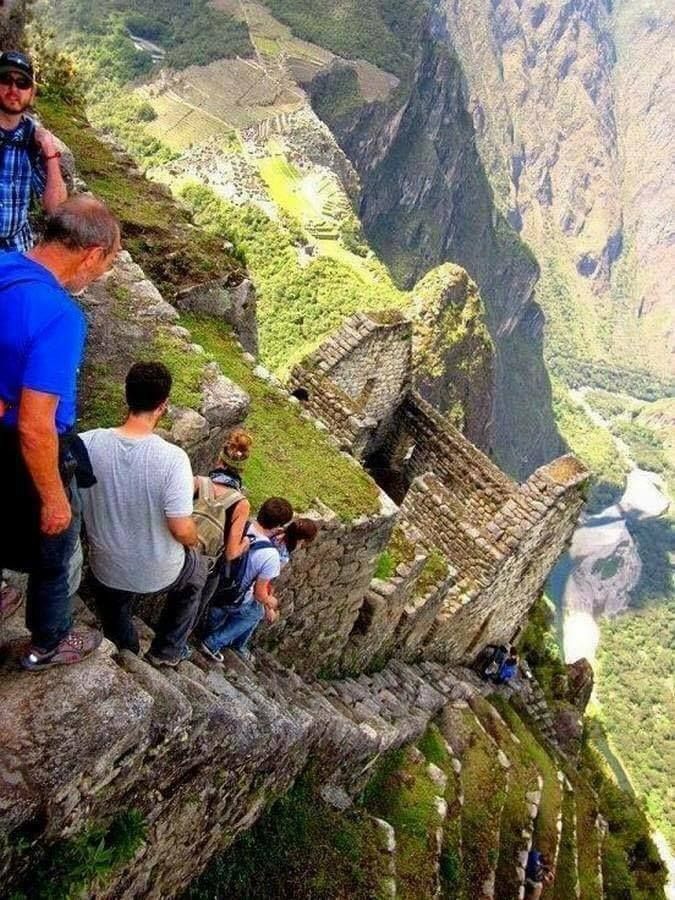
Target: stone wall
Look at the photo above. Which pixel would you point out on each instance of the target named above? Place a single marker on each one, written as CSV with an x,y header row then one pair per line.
x,y
499,539
322,591
199,752
356,380
528,536
476,483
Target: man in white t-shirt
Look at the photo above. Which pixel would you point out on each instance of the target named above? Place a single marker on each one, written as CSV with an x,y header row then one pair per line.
x,y
138,517
233,626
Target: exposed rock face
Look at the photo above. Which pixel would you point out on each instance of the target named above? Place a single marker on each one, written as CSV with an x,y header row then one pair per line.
x,y
236,305
426,199
452,351
571,107
580,683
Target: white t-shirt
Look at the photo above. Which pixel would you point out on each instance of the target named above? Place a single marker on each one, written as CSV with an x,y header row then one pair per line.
x,y
140,481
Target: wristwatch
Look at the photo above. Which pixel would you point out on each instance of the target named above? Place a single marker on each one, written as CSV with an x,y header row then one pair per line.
x,y
55,155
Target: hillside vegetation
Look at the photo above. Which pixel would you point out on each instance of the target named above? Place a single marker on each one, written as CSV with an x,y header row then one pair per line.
x,y
635,690
191,33
381,31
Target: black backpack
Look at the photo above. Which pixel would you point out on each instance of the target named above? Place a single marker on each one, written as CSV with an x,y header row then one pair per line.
x,y
231,588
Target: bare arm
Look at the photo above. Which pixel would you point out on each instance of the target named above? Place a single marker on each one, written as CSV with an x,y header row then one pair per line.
x,y
55,189
262,592
183,529
40,449
237,543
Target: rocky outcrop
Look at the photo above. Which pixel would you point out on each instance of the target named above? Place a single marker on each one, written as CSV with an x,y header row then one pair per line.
x,y
130,320
453,354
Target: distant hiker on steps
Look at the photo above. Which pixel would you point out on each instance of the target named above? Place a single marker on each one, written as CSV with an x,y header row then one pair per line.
x,y
42,335
29,167
537,873
142,537
244,594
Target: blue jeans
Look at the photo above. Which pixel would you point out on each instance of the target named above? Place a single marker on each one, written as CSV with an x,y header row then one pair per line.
x,y
233,626
48,597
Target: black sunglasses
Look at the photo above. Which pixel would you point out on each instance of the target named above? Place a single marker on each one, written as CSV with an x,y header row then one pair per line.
x,y
22,82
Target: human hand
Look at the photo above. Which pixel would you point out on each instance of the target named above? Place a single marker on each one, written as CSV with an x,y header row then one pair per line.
x,y
45,141
271,615
55,515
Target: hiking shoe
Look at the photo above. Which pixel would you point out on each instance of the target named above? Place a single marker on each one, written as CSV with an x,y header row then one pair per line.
x,y
76,646
245,654
212,654
10,600
170,661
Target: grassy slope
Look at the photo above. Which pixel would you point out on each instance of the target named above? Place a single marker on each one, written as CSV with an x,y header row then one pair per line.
x,y
291,456
156,232
522,779
565,883
589,844
435,751
545,832
402,793
484,783
300,850
297,305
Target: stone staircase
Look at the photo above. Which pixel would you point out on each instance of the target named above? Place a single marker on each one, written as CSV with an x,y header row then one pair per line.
x,y
202,750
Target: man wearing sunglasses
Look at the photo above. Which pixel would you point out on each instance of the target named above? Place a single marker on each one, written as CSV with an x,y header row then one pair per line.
x,y
29,166
29,158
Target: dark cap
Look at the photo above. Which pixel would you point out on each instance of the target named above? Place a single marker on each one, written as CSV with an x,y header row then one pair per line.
x,y
13,61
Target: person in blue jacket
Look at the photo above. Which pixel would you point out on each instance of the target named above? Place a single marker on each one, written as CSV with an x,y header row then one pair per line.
x,y
508,669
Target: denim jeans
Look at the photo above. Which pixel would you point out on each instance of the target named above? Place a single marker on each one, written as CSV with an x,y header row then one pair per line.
x,y
177,619
233,626
48,596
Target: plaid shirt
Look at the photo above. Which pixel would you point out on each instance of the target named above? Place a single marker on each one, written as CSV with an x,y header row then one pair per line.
x,y
22,175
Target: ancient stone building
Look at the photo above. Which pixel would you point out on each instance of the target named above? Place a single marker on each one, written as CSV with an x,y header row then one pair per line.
x,y
498,540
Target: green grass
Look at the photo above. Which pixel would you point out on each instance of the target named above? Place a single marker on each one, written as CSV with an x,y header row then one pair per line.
x,y
402,793
484,783
565,883
290,457
156,231
73,868
300,850
298,306
588,841
545,832
435,569
399,550
434,749
522,779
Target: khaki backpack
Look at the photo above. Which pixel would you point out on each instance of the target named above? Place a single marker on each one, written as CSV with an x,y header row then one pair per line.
x,y
211,515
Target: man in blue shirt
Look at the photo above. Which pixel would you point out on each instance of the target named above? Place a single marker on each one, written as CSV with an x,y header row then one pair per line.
x,y
42,334
29,167
29,159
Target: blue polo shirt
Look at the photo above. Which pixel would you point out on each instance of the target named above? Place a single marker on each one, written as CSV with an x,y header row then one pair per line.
x,y
42,334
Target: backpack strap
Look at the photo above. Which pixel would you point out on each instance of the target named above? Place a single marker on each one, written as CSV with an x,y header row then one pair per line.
x,y
205,488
